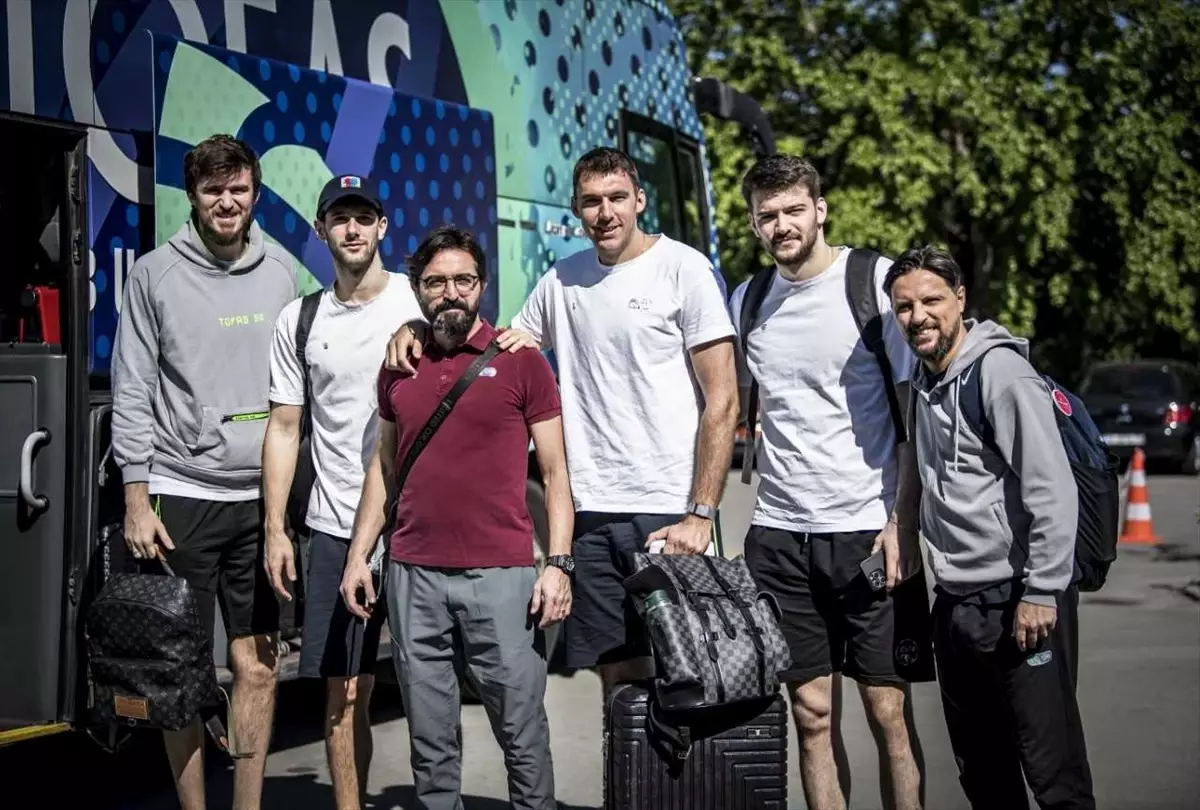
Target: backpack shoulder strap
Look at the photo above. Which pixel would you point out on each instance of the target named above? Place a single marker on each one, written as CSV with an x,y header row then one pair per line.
x,y
442,411
970,404
308,313
863,298
752,301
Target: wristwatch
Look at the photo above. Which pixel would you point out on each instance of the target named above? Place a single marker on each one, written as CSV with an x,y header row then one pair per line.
x,y
702,510
564,561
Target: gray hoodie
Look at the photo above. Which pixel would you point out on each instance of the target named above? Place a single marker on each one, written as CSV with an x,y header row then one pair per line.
x,y
986,518
191,364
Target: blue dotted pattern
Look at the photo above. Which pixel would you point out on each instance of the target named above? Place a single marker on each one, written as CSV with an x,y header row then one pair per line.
x,y
555,46
432,160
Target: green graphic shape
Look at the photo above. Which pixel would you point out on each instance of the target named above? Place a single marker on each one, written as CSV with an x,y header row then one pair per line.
x,y
204,96
296,174
171,210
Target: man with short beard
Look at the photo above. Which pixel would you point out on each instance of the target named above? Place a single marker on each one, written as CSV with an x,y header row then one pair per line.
x,y
462,584
190,375
349,329
828,490
999,510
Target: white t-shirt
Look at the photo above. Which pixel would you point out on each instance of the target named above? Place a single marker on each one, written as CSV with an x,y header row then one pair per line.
x,y
631,404
346,348
827,459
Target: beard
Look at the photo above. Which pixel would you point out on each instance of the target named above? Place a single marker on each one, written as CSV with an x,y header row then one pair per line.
x,y
355,265
451,319
793,256
941,347
222,239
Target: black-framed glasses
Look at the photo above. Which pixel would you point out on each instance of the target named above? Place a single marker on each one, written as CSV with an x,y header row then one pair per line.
x,y
436,285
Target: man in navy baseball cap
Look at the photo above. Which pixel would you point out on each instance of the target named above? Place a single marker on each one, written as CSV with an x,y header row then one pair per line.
x,y
341,187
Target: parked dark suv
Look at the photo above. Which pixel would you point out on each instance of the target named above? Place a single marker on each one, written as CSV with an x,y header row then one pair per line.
x,y
1154,404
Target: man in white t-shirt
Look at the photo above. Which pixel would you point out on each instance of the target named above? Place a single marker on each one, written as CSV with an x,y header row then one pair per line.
x,y
348,334
643,342
828,481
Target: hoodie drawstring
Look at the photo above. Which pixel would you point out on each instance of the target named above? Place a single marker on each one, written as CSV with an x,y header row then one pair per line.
x,y
957,417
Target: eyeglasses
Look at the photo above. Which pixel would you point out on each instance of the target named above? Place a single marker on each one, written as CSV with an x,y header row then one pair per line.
x,y
436,285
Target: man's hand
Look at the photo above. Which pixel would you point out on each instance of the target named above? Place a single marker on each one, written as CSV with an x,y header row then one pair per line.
x,y
279,559
551,595
1032,624
692,535
357,577
901,559
512,340
143,529
405,341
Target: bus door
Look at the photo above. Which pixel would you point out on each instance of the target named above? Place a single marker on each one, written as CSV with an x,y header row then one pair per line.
x,y
43,413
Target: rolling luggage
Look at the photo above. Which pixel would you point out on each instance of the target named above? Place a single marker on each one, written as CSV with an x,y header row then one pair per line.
x,y
731,757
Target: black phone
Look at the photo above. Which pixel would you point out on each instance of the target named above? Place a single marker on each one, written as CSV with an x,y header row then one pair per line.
x,y
874,568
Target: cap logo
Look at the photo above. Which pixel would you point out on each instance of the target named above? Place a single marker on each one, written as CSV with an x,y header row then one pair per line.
x,y
351,182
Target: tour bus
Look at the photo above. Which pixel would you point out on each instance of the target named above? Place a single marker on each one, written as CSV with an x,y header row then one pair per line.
x,y
465,112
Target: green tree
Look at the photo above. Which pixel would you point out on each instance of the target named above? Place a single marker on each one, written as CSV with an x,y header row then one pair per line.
x,y
1050,146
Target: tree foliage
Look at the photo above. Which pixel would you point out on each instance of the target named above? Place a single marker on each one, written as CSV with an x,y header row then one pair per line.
x,y
1052,147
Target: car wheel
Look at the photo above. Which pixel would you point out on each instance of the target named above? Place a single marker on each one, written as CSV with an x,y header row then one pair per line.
x,y
1191,461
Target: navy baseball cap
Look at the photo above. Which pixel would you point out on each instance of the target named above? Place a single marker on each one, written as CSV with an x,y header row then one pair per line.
x,y
345,186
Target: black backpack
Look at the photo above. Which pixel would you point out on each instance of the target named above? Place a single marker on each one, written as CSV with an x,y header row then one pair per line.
x,y
1093,466
149,659
862,296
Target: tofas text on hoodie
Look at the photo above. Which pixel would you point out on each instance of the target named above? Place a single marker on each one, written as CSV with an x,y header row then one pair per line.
x,y
191,363
989,518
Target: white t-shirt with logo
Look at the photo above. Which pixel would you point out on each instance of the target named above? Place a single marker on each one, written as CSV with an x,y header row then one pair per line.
x,y
827,458
346,348
631,404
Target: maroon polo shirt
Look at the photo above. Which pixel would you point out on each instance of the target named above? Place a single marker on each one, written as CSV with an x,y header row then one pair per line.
x,y
463,503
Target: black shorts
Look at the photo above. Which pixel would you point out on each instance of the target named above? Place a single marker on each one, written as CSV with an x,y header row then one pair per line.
x,y
832,620
219,551
603,626
335,643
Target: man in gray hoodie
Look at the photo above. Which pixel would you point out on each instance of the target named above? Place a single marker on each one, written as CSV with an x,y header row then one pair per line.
x,y
999,516
190,380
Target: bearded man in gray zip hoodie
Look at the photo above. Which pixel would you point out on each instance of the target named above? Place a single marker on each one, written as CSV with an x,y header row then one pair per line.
x,y
190,380
999,517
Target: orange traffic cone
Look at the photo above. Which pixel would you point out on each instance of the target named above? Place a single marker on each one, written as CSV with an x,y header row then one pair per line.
x,y
1138,528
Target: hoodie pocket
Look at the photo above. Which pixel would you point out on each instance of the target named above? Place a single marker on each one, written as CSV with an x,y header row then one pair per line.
x,y
1001,516
231,438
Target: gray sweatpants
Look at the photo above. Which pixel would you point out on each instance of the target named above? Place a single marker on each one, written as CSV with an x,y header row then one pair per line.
x,y
480,615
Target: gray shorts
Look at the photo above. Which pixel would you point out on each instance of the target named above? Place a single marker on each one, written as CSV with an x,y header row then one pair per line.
x,y
334,643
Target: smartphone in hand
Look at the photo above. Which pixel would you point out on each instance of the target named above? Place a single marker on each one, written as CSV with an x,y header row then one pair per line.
x,y
874,568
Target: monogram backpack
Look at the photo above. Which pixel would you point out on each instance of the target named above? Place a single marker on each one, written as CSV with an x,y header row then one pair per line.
x,y
149,660
715,636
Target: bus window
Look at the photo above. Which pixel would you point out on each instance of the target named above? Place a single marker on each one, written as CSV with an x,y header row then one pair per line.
x,y
657,172
691,187
669,166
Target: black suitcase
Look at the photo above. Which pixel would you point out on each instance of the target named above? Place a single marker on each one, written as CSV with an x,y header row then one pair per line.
x,y
737,760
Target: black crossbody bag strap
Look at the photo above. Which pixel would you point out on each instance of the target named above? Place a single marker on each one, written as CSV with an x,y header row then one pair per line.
x,y
443,410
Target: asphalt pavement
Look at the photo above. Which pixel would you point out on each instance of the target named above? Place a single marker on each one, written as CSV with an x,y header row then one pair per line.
x,y
1139,691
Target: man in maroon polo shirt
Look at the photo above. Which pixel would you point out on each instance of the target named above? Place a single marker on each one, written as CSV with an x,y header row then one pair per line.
x,y
462,572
